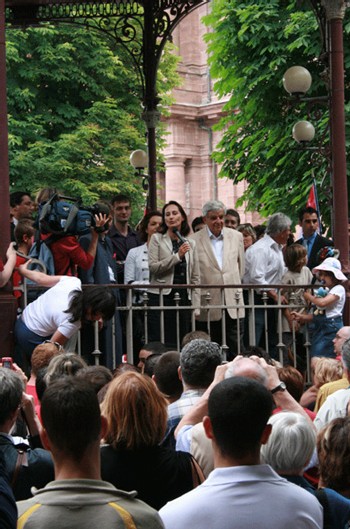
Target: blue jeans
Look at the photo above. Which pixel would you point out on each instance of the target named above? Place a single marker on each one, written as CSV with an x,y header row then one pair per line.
x,y
26,341
324,331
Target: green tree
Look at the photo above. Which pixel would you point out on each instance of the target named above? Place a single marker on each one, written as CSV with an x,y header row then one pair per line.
x,y
74,104
251,46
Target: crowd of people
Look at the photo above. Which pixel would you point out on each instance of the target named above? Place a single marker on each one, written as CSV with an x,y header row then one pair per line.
x,y
185,436
187,442
163,252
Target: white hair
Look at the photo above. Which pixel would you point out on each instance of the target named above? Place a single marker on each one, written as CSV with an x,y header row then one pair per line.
x,y
213,205
277,223
291,443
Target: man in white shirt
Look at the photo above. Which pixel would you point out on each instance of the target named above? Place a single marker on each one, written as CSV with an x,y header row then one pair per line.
x,y
241,493
198,362
264,265
221,261
190,434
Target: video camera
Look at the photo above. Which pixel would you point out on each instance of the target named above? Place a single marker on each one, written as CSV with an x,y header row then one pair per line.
x,y
63,215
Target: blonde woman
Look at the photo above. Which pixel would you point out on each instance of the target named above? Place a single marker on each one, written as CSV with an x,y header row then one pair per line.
x,y
132,458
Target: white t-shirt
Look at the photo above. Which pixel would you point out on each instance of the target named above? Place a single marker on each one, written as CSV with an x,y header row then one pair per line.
x,y
46,315
336,309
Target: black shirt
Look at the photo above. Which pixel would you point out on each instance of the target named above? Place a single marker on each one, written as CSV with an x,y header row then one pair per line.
x,y
158,474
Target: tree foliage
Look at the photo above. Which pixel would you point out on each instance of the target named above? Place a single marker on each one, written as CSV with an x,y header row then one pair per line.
x,y
74,105
251,46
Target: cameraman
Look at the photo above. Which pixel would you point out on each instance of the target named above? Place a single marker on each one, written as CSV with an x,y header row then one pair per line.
x,y
68,253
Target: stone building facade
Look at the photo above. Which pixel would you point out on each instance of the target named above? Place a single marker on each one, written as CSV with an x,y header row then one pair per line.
x,y
190,175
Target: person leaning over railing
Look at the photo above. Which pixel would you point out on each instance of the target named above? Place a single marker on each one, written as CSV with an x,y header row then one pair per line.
x,y
59,312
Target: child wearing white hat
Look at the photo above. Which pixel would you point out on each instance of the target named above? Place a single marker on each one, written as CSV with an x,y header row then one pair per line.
x,y
325,326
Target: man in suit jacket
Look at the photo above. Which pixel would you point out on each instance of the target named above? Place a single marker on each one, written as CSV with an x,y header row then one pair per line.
x,y
312,241
221,261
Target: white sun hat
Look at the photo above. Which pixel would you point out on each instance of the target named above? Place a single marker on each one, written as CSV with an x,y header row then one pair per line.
x,y
331,265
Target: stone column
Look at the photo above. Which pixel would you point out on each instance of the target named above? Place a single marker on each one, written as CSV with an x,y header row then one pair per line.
x,y
175,180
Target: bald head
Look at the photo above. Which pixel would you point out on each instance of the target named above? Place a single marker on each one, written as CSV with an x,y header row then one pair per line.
x,y
246,367
342,335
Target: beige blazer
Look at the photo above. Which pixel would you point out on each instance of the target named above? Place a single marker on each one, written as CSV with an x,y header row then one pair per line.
x,y
211,274
162,261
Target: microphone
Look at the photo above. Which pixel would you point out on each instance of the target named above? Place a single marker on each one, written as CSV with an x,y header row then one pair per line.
x,y
179,236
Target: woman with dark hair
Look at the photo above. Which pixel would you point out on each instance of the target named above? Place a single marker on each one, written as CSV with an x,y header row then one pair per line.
x,y
172,260
132,458
136,268
59,312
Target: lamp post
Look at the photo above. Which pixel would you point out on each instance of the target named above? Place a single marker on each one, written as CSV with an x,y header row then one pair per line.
x,y
297,81
139,160
335,11
331,17
303,131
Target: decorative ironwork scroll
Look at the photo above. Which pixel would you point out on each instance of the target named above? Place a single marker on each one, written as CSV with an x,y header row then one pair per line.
x,y
142,28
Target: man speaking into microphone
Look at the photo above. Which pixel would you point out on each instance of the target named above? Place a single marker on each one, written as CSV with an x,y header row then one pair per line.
x,y
173,262
221,261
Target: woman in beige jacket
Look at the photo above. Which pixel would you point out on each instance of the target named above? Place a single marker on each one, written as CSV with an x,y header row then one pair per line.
x,y
172,260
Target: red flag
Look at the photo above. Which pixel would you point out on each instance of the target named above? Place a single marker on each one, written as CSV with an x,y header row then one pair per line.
x,y
311,201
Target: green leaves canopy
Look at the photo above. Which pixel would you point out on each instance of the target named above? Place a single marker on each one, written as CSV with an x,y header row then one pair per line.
x,y
251,46
75,112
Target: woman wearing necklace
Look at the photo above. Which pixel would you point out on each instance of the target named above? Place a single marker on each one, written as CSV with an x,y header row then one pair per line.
x,y
173,260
